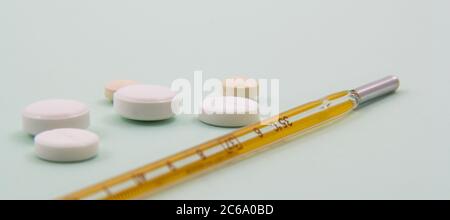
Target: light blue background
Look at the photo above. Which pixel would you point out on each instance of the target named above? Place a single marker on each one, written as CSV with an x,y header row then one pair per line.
x,y
397,148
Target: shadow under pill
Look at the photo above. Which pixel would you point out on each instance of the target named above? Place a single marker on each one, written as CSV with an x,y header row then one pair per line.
x,y
22,138
36,158
146,123
204,124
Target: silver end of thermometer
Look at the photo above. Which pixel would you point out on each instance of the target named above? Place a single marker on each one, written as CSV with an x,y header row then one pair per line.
x,y
371,91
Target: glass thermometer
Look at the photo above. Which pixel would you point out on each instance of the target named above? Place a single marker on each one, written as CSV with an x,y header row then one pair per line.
x,y
150,178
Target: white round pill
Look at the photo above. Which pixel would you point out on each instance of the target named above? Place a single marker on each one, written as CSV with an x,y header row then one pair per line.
x,y
66,145
229,111
146,102
54,113
115,85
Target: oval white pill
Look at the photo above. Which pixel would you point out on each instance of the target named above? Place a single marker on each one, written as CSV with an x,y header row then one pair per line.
x,y
115,85
145,102
54,113
229,111
66,145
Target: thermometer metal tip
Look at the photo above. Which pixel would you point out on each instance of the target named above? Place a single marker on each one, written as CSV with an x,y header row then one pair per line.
x,y
376,89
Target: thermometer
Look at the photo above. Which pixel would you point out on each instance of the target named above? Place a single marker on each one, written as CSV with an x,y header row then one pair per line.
x,y
241,143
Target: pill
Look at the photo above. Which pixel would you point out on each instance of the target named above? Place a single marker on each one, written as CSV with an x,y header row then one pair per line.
x,y
229,111
146,102
54,113
66,145
241,86
115,85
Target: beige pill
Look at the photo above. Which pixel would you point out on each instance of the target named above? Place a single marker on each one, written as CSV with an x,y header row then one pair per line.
x,y
115,85
241,86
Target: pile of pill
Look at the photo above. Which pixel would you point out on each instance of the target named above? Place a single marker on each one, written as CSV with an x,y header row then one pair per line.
x,y
59,125
49,120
